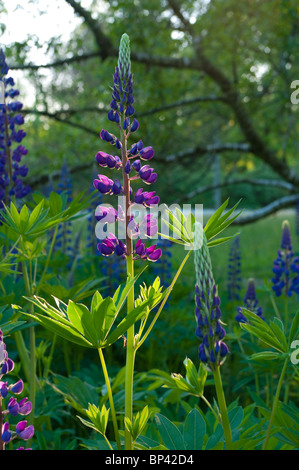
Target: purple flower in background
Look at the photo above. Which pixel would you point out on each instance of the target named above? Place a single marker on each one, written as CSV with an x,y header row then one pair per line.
x,y
212,350
234,270
9,432
286,266
129,162
11,150
250,303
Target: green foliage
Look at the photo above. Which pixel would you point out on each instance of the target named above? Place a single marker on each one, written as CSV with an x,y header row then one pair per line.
x,y
91,327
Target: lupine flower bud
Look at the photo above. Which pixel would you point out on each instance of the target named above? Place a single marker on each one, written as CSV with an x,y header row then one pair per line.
x,y
250,303
146,153
207,312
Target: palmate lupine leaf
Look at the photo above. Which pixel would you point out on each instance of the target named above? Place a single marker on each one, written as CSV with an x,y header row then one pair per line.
x,y
271,334
182,227
90,327
31,224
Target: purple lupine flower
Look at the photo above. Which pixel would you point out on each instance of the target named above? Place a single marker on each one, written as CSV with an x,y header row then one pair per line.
x,y
250,303
23,431
286,266
121,114
11,152
212,350
13,408
234,270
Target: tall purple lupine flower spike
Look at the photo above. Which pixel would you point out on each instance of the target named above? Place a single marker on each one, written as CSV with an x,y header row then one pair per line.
x,y
250,303
14,407
212,350
121,114
11,150
286,266
234,270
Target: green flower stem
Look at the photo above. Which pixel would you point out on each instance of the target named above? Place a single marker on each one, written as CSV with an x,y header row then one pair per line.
x,y
130,359
47,261
110,397
32,372
275,403
223,409
130,355
23,353
210,407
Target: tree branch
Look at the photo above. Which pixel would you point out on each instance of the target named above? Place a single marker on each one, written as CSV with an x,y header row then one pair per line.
x,y
254,182
212,148
272,208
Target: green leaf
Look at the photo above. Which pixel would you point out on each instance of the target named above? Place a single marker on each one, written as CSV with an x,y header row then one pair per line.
x,y
271,334
124,325
294,327
194,430
170,434
266,356
80,317
65,331
24,218
103,317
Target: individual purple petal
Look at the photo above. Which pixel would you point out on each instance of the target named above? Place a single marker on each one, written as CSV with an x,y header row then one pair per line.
x,y
6,435
17,387
155,255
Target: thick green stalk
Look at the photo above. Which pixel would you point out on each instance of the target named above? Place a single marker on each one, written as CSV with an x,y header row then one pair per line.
x,y
130,359
223,408
23,353
275,403
130,355
47,261
110,396
32,372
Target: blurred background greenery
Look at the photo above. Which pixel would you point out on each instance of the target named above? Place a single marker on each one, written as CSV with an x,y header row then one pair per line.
x,y
192,61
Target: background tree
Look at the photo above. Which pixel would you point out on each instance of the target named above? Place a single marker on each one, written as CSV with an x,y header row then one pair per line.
x,y
216,80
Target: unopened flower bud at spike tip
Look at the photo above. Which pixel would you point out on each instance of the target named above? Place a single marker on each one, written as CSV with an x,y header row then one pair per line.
x,y
124,62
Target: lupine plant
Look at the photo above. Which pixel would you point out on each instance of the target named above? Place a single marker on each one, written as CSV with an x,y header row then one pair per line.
x,y
11,136
14,408
91,326
285,280
212,349
250,302
234,270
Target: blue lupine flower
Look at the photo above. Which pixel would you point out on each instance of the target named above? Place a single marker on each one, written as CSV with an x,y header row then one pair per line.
x,y
234,270
14,407
250,303
11,150
64,232
212,350
285,267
